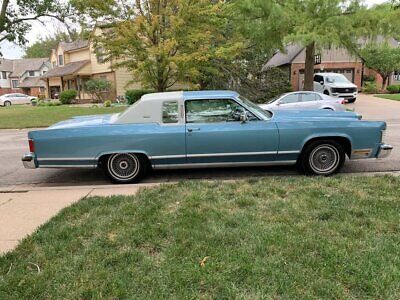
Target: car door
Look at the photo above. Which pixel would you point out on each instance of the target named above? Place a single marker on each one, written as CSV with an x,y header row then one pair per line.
x,y
216,135
19,99
318,83
290,101
310,100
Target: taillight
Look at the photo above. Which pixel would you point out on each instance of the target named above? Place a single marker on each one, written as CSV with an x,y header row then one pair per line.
x,y
31,146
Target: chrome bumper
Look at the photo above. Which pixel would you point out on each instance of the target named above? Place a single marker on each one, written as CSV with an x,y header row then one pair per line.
x,y
29,161
384,151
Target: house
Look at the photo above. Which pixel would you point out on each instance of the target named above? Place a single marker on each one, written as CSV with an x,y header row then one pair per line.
x,y
23,76
75,63
333,59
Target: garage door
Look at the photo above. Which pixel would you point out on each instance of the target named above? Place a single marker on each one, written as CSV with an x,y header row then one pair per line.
x,y
348,73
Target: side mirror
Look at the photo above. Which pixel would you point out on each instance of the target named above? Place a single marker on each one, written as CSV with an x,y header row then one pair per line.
x,y
244,117
321,82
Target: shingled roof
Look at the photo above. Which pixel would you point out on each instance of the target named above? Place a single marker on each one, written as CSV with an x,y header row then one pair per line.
x,y
18,67
75,45
30,82
68,69
284,58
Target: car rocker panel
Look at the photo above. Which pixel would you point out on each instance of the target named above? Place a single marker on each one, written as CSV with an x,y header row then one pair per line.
x,y
204,129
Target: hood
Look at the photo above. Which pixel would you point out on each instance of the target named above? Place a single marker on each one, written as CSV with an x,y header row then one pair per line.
x,y
342,85
283,115
84,121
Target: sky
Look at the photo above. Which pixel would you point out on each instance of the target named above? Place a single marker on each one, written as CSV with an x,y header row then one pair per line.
x,y
12,51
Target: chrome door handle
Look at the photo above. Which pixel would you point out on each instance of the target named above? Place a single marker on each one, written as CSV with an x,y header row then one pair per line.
x,y
193,129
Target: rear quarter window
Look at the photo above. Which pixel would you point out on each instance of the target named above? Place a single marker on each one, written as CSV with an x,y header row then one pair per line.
x,y
170,112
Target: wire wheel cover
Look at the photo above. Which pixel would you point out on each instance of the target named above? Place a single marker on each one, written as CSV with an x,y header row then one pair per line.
x,y
324,159
123,166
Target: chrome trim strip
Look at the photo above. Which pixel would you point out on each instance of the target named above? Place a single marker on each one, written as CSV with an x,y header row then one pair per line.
x,y
289,152
167,156
67,166
66,158
225,154
224,164
232,154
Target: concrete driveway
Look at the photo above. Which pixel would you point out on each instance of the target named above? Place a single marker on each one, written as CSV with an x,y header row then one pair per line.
x,y
13,144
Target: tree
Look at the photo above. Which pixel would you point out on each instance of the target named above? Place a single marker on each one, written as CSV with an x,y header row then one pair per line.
x,y
98,88
383,59
16,15
163,41
315,24
42,47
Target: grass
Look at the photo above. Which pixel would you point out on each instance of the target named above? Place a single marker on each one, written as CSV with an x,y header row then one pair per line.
x,y
21,116
289,238
395,97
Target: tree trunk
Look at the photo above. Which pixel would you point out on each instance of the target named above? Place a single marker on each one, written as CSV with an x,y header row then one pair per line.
x,y
384,81
309,67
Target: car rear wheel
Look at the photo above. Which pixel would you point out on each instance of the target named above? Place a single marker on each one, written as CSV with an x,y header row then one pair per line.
x,y
7,103
323,157
125,167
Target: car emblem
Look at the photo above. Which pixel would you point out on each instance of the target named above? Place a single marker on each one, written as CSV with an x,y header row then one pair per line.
x,y
347,90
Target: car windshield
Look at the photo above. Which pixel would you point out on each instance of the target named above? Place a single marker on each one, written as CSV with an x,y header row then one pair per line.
x,y
337,79
272,100
255,107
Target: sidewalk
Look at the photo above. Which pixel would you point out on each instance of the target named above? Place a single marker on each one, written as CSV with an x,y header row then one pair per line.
x,y
22,211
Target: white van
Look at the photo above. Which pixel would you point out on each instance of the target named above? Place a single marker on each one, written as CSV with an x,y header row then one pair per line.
x,y
335,85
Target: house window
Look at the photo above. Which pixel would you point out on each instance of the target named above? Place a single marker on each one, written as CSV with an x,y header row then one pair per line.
x,y
43,72
60,60
42,89
100,55
4,74
31,73
15,84
396,76
317,59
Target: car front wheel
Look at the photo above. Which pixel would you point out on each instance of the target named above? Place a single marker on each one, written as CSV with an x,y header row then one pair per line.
x,y
352,100
324,158
125,167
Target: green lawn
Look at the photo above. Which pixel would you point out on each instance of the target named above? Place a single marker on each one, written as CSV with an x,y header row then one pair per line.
x,y
389,96
21,116
273,238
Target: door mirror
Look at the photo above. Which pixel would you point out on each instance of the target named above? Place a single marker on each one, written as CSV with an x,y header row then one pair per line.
x,y
321,82
244,117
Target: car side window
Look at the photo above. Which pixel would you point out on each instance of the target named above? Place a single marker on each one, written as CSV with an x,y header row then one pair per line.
x,y
318,78
306,97
215,111
170,112
291,98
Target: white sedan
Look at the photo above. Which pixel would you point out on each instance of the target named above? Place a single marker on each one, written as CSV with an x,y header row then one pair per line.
x,y
16,98
304,100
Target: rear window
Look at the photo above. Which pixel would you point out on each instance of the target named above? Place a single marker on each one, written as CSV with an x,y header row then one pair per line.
x,y
170,112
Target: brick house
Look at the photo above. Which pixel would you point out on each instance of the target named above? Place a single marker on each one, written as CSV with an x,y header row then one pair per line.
x,y
333,59
76,62
23,76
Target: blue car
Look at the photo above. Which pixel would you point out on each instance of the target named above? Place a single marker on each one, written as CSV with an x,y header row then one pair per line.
x,y
205,129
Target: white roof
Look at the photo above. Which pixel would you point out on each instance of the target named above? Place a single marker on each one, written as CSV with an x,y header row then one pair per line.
x,y
148,109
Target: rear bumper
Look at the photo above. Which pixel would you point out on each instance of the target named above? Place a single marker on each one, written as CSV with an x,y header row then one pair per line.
x,y
29,161
384,151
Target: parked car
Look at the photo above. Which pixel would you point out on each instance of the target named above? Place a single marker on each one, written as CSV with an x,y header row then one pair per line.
x,y
336,85
15,98
304,100
205,129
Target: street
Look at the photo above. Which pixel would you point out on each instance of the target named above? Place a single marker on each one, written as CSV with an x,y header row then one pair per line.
x,y
13,144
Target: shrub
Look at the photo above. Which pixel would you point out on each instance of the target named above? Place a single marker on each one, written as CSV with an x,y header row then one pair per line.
x,y
98,88
393,89
34,102
134,95
370,88
67,96
107,103
49,103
